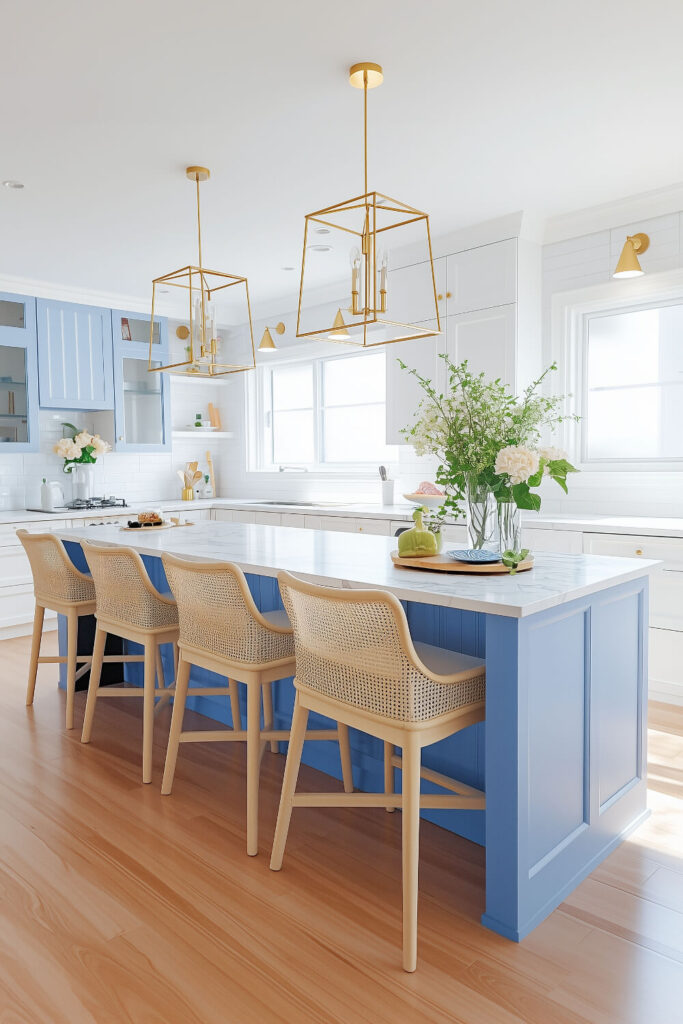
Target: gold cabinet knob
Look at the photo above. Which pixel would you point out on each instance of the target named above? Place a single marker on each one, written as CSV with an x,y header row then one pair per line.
x,y
360,529
448,295
440,297
639,551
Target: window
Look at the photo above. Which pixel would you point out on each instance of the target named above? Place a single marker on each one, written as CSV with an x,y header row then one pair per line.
x,y
633,394
322,414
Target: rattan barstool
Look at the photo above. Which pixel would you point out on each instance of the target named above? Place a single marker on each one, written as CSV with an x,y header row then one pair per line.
x,y
129,605
59,586
356,662
223,631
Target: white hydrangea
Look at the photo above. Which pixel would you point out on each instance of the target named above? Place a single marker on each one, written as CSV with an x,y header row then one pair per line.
x,y
551,454
101,447
83,439
67,448
518,462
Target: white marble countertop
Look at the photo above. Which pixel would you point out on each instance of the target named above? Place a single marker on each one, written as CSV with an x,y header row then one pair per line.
x,y
359,560
646,526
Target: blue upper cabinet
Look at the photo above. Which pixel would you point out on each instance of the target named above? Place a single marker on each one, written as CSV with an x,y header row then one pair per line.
x,y
74,356
142,409
19,420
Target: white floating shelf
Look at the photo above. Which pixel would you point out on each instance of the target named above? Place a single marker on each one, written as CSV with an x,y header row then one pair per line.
x,y
208,435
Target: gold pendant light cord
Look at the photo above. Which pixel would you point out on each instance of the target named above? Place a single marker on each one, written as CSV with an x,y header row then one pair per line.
x,y
199,225
365,129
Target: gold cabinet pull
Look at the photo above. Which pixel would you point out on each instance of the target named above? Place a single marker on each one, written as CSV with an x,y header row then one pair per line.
x,y
639,551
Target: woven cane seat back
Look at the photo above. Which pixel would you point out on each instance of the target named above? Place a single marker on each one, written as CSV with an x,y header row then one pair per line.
x,y
54,575
125,592
353,651
218,615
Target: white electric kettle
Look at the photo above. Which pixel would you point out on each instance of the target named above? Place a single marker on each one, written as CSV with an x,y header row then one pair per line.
x,y
51,496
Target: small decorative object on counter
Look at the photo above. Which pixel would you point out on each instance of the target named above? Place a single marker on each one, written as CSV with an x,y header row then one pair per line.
x,y
51,495
207,489
80,451
488,442
419,541
512,559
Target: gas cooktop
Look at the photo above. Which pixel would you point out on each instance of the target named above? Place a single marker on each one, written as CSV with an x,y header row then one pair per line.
x,y
78,504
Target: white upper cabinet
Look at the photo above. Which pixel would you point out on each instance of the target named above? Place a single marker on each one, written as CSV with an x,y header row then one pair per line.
x,y
486,338
410,292
403,391
482,277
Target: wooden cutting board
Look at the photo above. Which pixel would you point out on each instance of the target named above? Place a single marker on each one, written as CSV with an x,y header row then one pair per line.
x,y
442,563
153,529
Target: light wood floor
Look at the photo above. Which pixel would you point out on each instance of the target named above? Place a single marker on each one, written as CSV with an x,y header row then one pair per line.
x,y
118,905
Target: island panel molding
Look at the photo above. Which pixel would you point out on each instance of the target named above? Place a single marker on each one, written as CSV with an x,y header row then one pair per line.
x,y
561,754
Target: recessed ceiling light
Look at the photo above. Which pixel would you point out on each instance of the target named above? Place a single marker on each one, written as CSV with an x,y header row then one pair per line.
x,y
13,184
288,268
164,291
320,248
322,231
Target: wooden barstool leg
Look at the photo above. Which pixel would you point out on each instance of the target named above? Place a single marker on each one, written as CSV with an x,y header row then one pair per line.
x,y
151,648
181,682
345,755
268,713
95,673
71,658
411,848
388,771
253,764
234,694
284,814
175,660
36,641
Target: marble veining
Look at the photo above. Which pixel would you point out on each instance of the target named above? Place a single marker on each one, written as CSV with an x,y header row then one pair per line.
x,y
359,560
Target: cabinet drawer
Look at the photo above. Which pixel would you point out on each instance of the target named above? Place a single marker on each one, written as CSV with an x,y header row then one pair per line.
x,y
14,567
666,659
566,542
668,549
8,532
240,516
17,606
293,519
267,518
222,515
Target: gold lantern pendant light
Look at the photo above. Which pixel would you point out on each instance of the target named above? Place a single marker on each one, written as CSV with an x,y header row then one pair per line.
x,y
359,235
220,337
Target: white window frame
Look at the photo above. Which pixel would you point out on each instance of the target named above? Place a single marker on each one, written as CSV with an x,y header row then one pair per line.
x,y
570,316
258,408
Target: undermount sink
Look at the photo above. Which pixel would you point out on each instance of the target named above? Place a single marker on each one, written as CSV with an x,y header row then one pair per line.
x,y
306,504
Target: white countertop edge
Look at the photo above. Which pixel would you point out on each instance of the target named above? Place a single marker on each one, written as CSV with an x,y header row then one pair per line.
x,y
637,568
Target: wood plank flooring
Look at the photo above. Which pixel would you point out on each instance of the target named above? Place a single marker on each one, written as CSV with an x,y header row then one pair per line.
x,y
118,905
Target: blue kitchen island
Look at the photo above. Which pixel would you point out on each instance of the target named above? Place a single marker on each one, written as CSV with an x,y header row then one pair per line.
x,y
562,753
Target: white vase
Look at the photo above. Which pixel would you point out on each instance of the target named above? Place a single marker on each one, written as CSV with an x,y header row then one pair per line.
x,y
82,477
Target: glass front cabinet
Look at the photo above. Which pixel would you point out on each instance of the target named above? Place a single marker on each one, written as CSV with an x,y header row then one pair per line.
x,y
19,421
142,409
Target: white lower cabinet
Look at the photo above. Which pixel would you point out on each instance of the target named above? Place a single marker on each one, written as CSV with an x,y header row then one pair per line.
x,y
16,583
342,524
666,605
222,515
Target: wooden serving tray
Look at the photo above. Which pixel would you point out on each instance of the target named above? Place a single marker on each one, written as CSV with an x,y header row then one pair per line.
x,y
153,529
442,563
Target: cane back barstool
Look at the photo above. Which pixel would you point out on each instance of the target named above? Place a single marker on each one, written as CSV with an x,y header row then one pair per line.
x,y
129,605
356,662
59,586
223,631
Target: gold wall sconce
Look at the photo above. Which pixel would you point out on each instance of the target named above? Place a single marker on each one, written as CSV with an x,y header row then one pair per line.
x,y
629,264
266,343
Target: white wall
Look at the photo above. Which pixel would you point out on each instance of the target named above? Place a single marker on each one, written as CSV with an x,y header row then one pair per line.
x,y
582,263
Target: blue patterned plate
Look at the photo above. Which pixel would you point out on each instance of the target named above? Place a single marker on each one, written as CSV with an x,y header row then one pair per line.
x,y
479,556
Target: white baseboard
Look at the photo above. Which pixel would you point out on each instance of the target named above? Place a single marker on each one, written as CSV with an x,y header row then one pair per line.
x,y
665,692
25,628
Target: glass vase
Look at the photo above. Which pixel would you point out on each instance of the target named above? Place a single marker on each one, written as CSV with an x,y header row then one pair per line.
x,y
482,525
509,527
82,477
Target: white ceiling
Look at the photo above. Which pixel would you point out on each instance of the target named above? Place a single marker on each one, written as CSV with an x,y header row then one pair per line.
x,y
487,107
